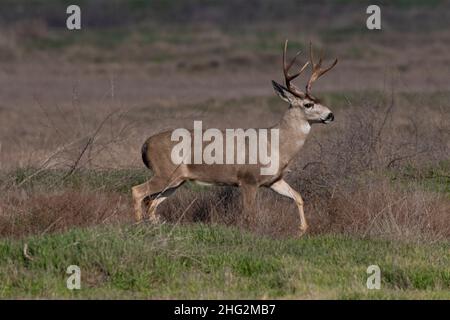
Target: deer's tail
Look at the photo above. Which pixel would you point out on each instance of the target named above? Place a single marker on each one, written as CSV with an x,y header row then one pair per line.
x,y
144,153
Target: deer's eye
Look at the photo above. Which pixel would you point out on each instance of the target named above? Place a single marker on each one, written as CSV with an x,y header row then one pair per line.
x,y
308,105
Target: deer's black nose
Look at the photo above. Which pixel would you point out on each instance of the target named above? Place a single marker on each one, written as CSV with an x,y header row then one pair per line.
x,y
330,117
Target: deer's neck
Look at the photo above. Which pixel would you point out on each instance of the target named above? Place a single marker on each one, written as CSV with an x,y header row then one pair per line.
x,y
294,129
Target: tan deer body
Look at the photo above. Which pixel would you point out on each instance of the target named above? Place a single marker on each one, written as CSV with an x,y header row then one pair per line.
x,y
293,129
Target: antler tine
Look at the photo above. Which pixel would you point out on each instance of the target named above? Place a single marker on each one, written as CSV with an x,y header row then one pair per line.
x,y
317,70
311,55
286,66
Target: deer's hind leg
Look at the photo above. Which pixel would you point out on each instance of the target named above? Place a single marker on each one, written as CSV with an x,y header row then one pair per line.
x,y
157,189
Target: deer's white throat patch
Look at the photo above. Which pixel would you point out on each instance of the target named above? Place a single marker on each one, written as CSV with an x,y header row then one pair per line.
x,y
305,127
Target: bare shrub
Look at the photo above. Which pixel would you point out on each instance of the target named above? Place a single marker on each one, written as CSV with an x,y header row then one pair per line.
x,y
212,205
24,214
348,181
376,208
31,29
276,216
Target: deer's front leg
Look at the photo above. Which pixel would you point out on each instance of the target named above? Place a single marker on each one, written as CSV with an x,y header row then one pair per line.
x,y
281,187
249,192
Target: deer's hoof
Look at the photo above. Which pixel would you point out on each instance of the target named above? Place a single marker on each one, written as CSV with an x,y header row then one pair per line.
x,y
302,230
138,217
154,219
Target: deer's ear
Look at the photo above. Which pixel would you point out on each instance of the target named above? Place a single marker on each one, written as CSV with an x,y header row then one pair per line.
x,y
283,93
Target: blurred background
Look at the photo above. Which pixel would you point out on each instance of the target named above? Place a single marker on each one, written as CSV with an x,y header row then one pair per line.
x,y
76,106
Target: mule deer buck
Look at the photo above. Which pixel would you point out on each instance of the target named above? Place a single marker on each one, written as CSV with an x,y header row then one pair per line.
x,y
293,128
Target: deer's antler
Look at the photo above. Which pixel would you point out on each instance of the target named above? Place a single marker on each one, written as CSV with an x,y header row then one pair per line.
x,y
288,77
317,70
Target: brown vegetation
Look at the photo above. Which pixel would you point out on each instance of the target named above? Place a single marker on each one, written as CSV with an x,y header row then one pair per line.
x,y
376,172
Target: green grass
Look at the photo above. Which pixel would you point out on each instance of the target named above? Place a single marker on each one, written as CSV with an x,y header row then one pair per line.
x,y
201,261
433,178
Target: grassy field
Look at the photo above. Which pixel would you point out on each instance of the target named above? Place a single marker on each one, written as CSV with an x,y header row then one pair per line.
x,y
200,261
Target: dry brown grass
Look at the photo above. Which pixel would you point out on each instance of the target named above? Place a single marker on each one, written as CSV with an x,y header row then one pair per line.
x,y
41,212
379,209
373,209
347,175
